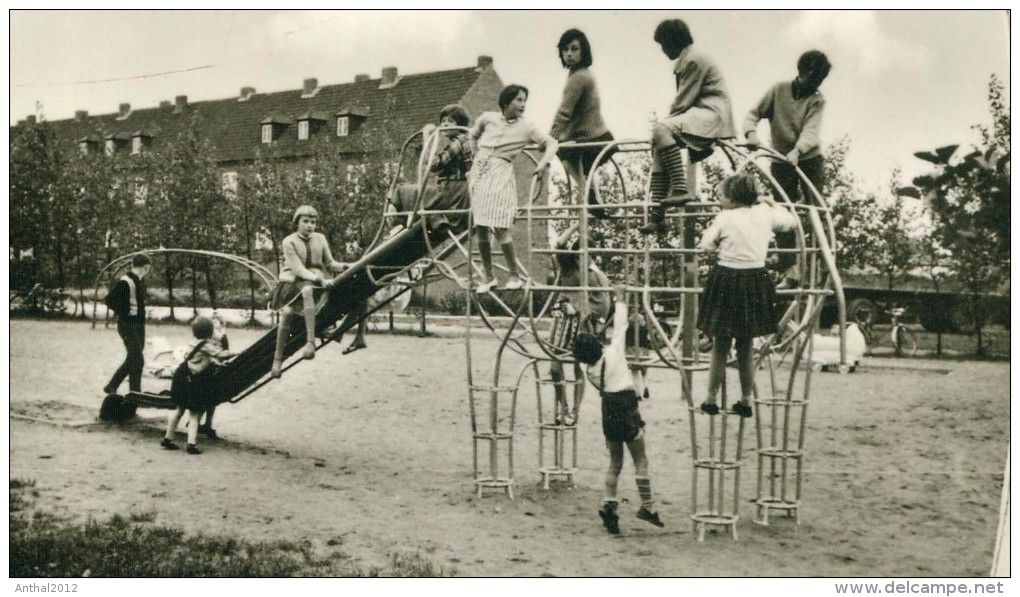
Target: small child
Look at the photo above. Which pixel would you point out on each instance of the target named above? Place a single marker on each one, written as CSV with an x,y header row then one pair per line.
x,y
305,256
219,337
501,137
700,113
621,420
191,388
794,111
737,304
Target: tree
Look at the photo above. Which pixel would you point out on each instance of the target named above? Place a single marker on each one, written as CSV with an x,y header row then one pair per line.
x,y
34,169
968,198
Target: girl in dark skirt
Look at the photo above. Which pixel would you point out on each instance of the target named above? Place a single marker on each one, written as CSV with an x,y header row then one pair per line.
x,y
738,300
192,386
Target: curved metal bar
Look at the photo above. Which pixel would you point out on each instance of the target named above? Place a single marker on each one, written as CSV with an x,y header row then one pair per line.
x,y
266,276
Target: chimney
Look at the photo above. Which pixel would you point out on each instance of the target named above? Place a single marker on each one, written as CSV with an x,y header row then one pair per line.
x,y
389,77
164,104
124,111
310,88
30,119
361,78
180,104
484,62
80,115
246,93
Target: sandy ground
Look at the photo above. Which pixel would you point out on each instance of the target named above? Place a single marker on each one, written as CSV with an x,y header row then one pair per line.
x,y
370,454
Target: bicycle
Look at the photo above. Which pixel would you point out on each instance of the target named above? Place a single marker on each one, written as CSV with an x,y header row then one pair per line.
x,y
41,300
904,341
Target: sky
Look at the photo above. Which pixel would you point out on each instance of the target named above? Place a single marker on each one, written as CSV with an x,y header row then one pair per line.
x,y
902,81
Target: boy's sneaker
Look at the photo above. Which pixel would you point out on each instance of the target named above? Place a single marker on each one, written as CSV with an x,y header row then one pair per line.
x,y
648,516
710,408
168,444
609,517
192,449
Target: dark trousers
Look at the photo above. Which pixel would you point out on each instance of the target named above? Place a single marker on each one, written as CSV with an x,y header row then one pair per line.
x,y
787,177
133,335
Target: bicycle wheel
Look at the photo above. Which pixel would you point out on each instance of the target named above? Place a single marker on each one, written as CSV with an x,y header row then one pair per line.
x,y
904,341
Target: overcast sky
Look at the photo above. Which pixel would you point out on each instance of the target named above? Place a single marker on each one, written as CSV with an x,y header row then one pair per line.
x,y
902,81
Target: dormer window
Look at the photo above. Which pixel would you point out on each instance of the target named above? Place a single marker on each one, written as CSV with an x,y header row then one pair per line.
x,y
115,142
309,123
349,119
139,141
87,145
273,126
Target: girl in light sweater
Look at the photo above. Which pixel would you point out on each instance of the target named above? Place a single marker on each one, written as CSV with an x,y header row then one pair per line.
x,y
738,300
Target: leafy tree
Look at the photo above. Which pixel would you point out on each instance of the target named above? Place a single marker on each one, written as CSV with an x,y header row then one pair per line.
x,y
34,169
968,198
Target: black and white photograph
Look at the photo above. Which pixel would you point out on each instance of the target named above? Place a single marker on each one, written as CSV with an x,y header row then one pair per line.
x,y
659,293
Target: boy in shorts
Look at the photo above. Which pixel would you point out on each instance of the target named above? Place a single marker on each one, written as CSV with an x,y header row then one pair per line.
x,y
621,421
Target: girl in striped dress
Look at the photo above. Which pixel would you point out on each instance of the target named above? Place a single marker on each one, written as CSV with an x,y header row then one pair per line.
x,y
501,137
738,301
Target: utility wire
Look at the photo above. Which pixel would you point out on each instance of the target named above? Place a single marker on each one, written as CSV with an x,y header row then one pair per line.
x,y
162,74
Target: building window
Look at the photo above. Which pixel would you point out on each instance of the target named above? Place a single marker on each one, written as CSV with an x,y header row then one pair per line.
x,y
110,147
302,130
83,147
267,133
229,184
136,145
343,126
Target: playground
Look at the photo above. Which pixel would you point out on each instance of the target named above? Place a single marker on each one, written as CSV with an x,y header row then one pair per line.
x,y
369,454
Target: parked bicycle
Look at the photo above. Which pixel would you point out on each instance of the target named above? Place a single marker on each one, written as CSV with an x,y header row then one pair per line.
x,y
902,338
42,300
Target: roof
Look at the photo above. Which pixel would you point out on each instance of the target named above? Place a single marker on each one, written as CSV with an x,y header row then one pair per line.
x,y
234,128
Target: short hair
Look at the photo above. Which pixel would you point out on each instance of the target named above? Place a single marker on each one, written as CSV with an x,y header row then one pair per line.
x,y
509,93
457,113
569,262
570,35
815,64
587,348
202,328
304,210
674,32
140,260
741,188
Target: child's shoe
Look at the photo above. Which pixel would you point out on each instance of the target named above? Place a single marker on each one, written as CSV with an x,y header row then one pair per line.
x,y
193,449
710,408
486,285
277,369
646,395
208,431
514,283
648,516
654,227
609,517
743,409
309,351
168,444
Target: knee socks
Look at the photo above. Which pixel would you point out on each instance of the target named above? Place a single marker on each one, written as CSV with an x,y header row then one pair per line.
x,y
673,158
644,488
660,188
309,313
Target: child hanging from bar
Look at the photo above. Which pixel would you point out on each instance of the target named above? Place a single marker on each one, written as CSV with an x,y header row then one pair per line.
x,y
700,113
738,302
305,257
621,420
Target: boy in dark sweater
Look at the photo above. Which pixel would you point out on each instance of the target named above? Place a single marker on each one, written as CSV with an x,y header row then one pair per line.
x,y
127,300
794,111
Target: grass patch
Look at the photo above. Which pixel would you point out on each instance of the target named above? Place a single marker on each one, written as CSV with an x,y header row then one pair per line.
x,y
42,545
